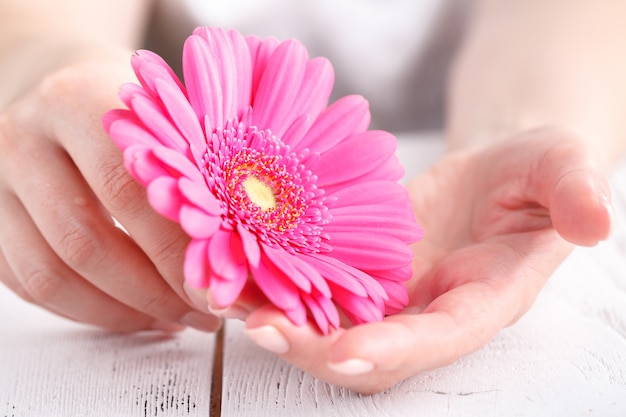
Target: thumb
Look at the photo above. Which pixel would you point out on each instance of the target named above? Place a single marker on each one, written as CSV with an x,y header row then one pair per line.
x,y
580,207
573,188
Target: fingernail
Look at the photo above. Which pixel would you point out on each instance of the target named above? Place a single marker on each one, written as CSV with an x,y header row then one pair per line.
x,y
166,326
235,311
268,337
200,321
196,297
604,201
352,366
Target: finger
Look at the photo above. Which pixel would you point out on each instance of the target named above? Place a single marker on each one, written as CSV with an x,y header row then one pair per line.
x,y
8,278
37,274
569,182
580,208
475,293
84,237
100,163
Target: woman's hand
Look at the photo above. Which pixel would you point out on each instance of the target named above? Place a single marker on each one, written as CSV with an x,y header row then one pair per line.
x,y
497,221
62,181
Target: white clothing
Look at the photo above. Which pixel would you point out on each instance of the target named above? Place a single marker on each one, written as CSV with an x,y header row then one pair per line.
x,y
393,52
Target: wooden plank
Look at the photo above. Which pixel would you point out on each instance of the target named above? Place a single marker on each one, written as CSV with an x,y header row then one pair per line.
x,y
53,367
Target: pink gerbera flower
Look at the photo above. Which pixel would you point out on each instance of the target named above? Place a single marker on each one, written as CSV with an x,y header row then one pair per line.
x,y
275,188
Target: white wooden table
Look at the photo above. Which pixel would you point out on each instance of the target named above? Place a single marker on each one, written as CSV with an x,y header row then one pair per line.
x,y
566,357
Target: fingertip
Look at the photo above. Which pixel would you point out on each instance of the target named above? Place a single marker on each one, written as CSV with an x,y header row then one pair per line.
x,y
580,210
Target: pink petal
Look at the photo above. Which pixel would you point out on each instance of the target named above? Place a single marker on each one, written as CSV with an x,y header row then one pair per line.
x,y
157,122
301,263
375,223
226,291
279,289
222,56
198,223
260,52
371,192
226,256
339,276
196,267
129,91
142,165
323,310
279,86
126,130
346,117
398,295
199,194
355,157
364,251
313,96
150,67
165,198
297,314
179,164
250,246
343,272
357,309
202,77
183,116
284,261
318,314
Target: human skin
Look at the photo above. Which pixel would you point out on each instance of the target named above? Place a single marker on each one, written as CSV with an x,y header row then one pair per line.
x,y
531,137
62,178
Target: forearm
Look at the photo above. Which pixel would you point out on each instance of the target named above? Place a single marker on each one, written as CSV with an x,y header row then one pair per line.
x,y
39,36
534,63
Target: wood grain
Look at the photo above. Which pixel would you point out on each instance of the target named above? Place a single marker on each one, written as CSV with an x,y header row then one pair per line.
x,y
52,367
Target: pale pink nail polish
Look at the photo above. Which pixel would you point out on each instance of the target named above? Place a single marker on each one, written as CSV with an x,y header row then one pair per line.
x,y
352,366
268,337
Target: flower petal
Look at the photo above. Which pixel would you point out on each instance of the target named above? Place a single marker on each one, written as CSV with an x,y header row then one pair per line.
x,y
226,256
203,82
260,52
196,266
331,273
182,115
198,223
154,118
355,157
279,86
150,67
357,309
297,314
367,252
374,192
380,221
284,261
226,291
198,193
142,165
279,289
126,130
346,117
165,198
250,246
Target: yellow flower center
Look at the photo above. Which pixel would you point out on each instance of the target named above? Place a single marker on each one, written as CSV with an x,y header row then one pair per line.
x,y
259,193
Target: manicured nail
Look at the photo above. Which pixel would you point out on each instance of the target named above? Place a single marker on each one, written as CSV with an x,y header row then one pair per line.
x,y
200,321
352,366
604,201
235,311
268,337
197,297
